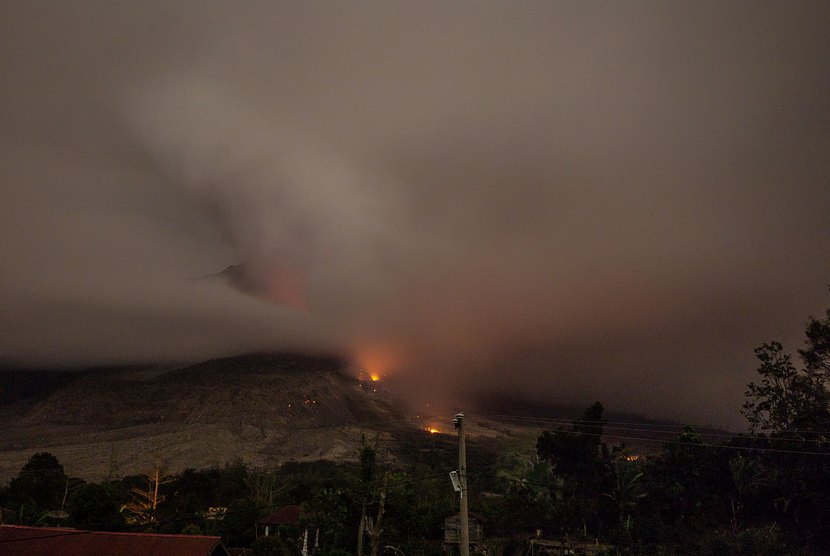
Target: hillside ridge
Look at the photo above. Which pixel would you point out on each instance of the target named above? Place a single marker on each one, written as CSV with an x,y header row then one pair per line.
x,y
261,408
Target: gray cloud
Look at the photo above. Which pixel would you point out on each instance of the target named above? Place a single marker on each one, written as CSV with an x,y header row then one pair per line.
x,y
576,200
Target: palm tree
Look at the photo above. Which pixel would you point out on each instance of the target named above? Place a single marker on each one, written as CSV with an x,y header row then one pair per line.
x,y
628,489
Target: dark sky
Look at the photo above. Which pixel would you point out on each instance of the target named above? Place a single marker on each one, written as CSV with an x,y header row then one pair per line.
x,y
576,200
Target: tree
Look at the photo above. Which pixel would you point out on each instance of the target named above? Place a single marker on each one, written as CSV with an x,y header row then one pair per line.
x,y
532,475
366,476
702,474
792,408
38,488
787,402
790,402
746,476
328,510
144,504
816,356
238,527
628,489
529,499
581,459
93,506
578,451
406,515
374,526
273,546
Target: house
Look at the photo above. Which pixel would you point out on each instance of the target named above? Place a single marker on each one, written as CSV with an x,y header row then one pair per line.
x,y
542,547
16,540
452,533
6,515
285,516
286,521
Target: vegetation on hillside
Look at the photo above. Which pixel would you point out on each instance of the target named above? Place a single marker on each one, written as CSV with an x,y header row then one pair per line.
x,y
763,493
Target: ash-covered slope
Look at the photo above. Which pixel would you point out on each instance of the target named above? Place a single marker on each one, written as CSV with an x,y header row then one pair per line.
x,y
259,390
263,409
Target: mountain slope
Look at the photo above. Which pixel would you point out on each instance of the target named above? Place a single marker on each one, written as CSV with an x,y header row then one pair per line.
x,y
263,409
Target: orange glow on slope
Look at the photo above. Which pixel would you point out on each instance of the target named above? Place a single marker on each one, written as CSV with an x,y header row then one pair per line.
x,y
432,430
376,361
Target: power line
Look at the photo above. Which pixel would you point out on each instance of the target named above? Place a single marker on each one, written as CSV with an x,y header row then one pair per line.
x,y
653,428
700,444
580,421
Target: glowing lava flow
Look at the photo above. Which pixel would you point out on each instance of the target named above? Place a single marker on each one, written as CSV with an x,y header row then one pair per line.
x,y
432,430
376,363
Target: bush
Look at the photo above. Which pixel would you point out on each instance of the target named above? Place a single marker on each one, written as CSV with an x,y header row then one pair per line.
x,y
95,507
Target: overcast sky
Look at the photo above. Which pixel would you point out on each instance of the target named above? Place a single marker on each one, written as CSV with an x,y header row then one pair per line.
x,y
573,200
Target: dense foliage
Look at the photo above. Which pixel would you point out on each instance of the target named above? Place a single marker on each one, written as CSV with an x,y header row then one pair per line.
x,y
764,493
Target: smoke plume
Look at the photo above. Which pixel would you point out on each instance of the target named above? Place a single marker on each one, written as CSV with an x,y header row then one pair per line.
x,y
574,201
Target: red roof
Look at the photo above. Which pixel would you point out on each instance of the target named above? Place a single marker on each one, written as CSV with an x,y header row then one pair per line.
x,y
286,514
28,541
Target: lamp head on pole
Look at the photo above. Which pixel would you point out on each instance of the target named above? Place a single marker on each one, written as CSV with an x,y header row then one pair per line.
x,y
457,420
456,483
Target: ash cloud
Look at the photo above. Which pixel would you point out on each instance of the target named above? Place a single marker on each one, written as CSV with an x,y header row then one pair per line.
x,y
574,201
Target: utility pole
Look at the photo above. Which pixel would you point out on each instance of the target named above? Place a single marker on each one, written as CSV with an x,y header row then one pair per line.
x,y
462,477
